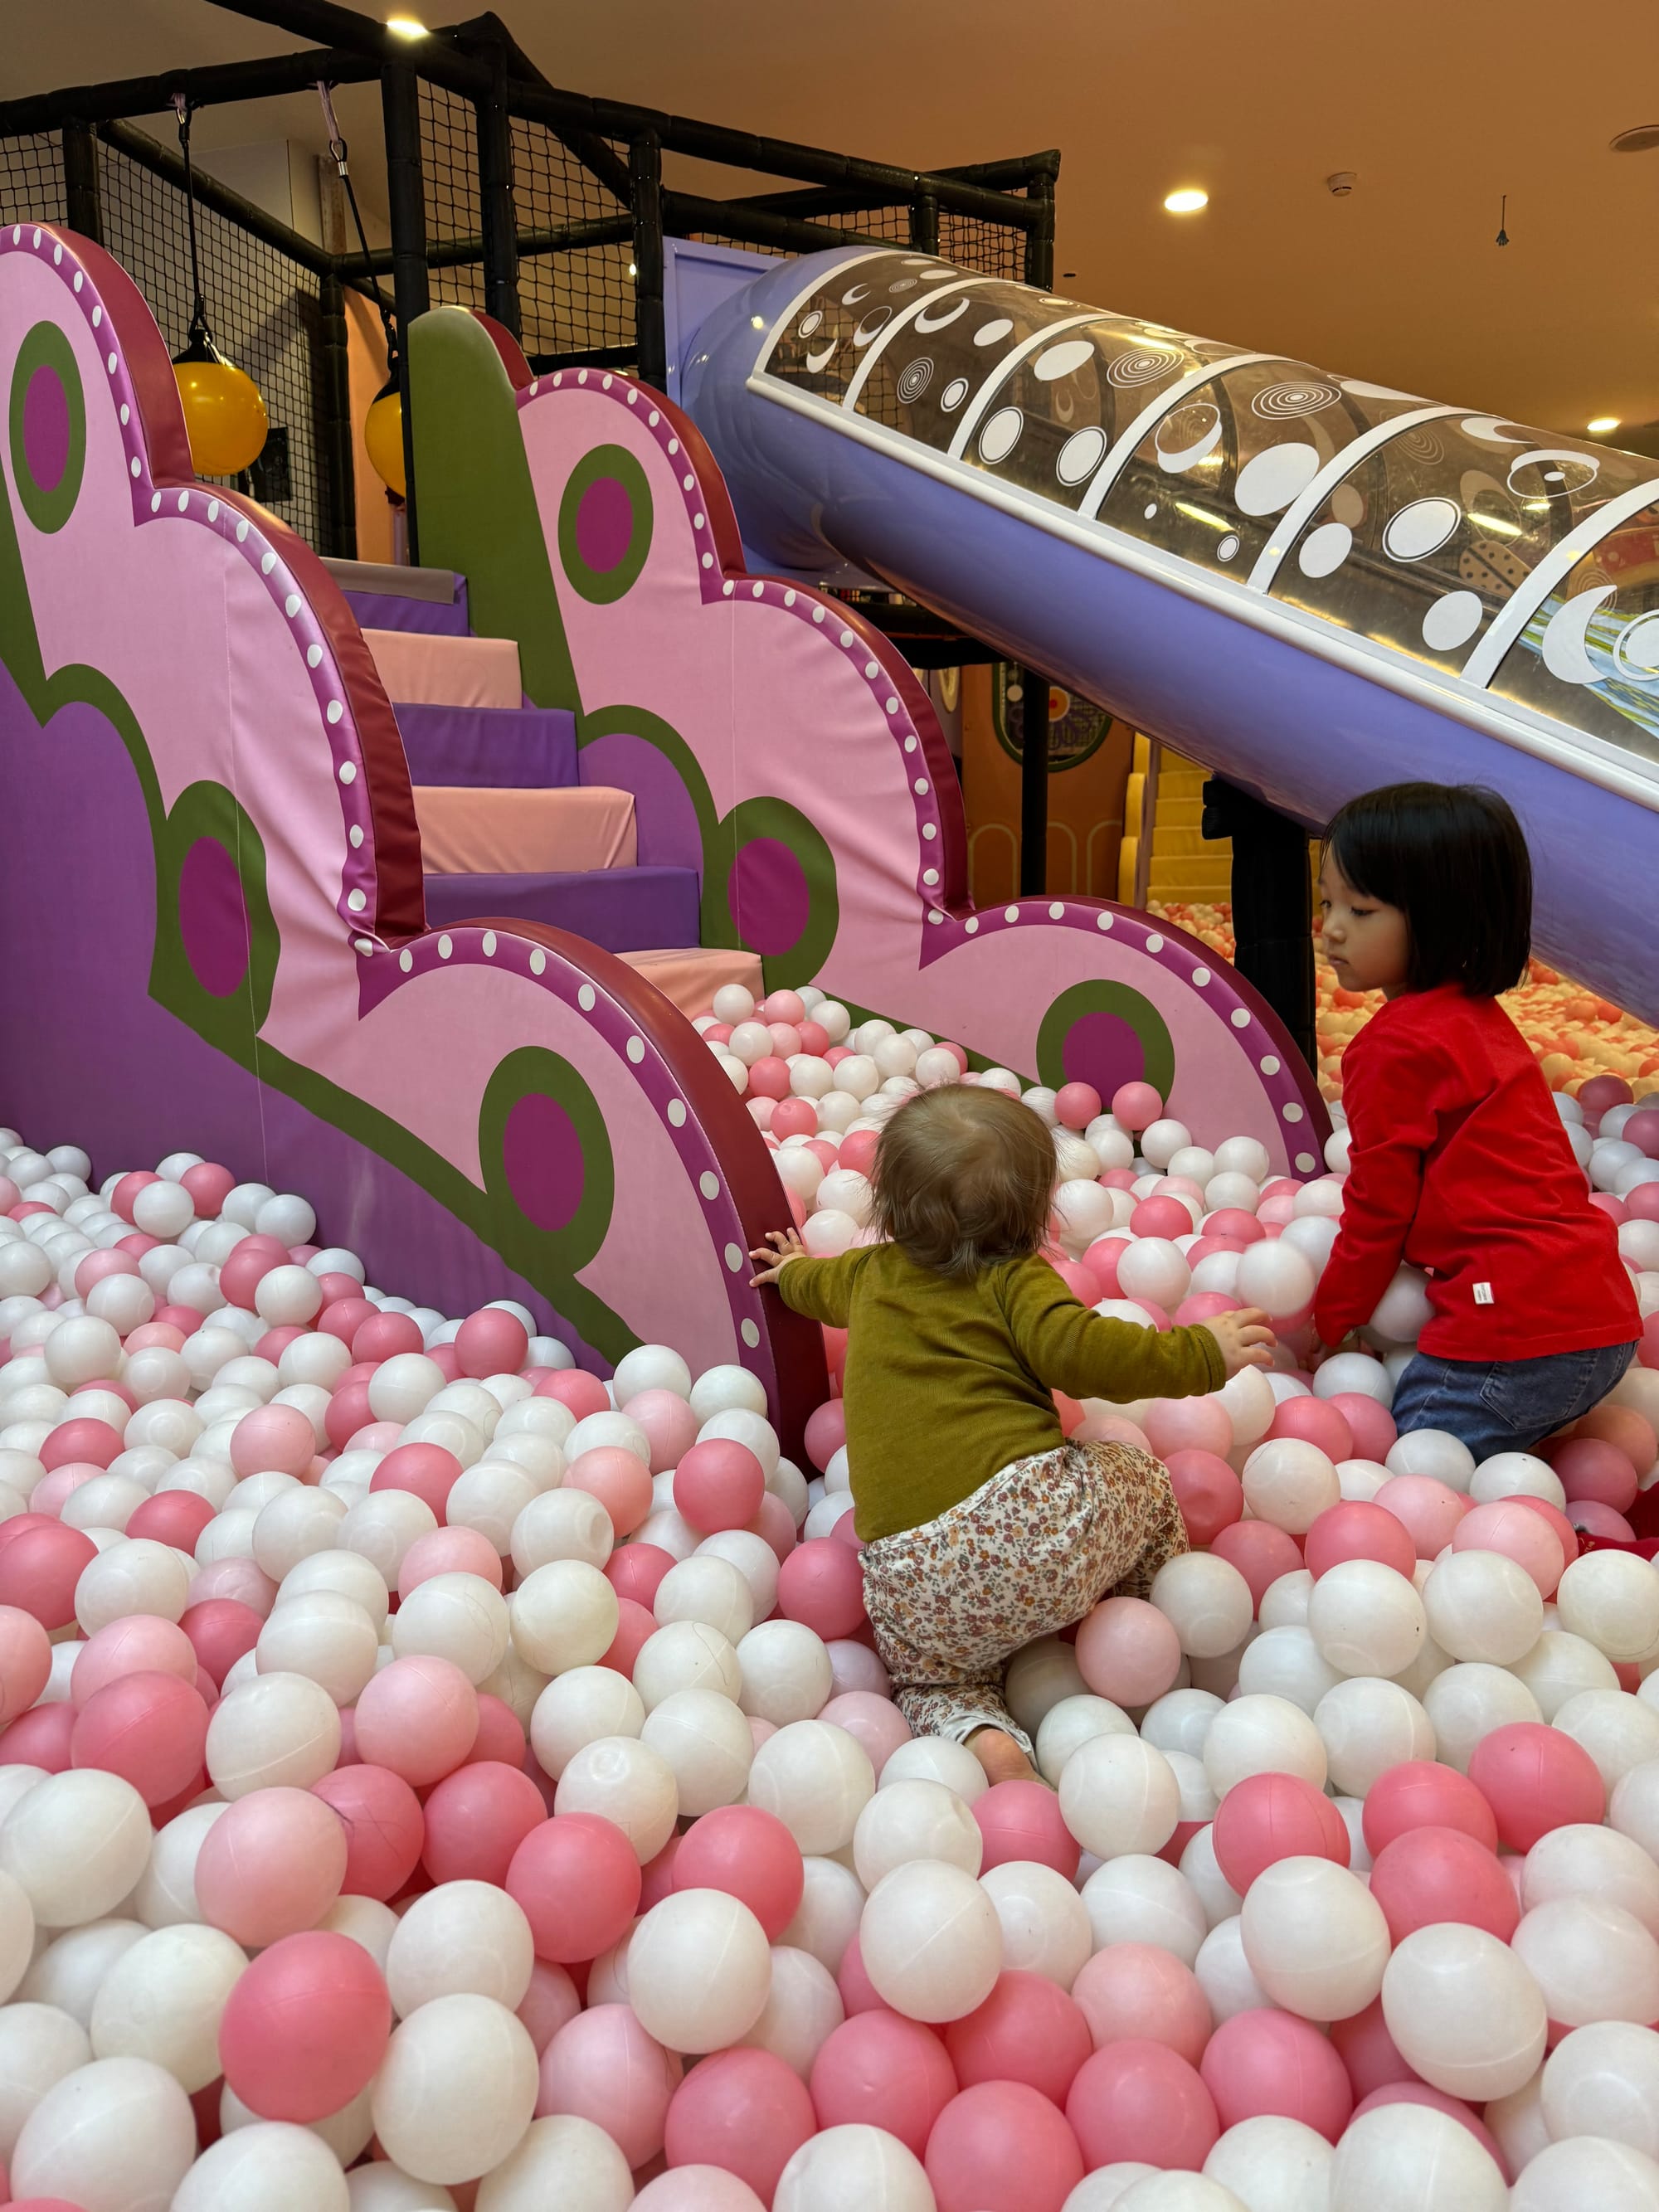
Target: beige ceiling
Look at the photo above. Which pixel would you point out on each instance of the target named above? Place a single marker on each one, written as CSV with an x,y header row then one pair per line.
x,y
1439,106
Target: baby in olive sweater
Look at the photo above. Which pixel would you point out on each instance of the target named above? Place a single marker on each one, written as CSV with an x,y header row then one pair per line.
x,y
982,1526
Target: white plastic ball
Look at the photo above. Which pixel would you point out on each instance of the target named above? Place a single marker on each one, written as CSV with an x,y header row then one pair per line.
x,y
1206,1600
623,1781
117,2133
1137,1898
1433,1452
461,1937
1368,1726
1463,2010
699,1970
1407,2158
1044,1921
705,1741
1467,1702
1611,1600
709,1589
816,1779
1316,1938
915,1821
1579,2170
1290,1482
854,2169
456,2090
1592,1959
717,1390
1119,1794
277,1730
1272,2164
687,1654
163,2000
786,1674
459,1617
563,1614
931,1941
1261,1735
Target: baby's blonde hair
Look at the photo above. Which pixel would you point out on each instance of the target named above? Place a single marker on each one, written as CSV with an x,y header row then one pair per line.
x,y
964,1177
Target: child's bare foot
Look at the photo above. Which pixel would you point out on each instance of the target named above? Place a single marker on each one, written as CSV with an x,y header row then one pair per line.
x,y
1000,1756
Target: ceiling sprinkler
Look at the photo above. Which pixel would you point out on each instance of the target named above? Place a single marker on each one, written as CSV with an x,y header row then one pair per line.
x,y
1341,182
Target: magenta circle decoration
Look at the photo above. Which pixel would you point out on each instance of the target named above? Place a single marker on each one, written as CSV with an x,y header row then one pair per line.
x,y
545,1153
777,893
1105,1033
213,918
47,427
770,894
605,524
542,1155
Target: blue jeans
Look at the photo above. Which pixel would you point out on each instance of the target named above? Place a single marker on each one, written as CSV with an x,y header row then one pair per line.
x,y
1505,1405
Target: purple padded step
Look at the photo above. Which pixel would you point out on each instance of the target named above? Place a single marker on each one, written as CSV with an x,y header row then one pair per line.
x,y
390,610
526,747
623,909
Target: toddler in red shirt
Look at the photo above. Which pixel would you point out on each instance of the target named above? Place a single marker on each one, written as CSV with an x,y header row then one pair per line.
x,y
1459,1163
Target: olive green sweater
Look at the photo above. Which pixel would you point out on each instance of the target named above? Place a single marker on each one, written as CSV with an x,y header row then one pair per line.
x,y
949,1379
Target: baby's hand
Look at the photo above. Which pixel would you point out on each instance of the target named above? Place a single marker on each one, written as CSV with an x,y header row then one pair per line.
x,y
1245,1338
781,1246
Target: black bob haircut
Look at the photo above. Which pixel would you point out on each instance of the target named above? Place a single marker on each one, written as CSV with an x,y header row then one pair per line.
x,y
1453,858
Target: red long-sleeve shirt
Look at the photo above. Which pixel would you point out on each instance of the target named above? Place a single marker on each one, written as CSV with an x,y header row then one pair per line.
x,y
1460,1164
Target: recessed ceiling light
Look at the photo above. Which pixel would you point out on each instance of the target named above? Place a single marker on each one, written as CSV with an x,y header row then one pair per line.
x,y
405,26
1599,426
1641,140
1186,200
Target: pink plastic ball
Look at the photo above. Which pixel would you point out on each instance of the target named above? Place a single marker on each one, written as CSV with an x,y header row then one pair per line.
x,y
1594,1472
1430,1875
476,1820
500,1739
210,1185
1076,1104
669,1425
1142,2100
1082,1282
551,2000
1268,2062
52,1492
1603,1092
795,1117
149,1728
602,2067
719,1485
272,1437
820,1584
242,1581
1590,1515
1353,1530
785,1040
384,1336
417,1717
271,1865
448,1552
241,1273
1136,1105
584,1394
749,1855
83,1443
1162,1217
1139,1992
826,1428
1427,1510
127,1190
858,1991
305,2027
1233,1223
1260,1551
220,1630
634,1629
40,1737
1181,1425
783,1006
491,1341
1314,1421
769,1077
1210,1495
427,1471
578,1881
1420,1793
878,2069
636,1571
1368,2053
25,1661
1269,1817
171,1516
1027,2030
138,1642
1535,1779
1371,1425
1001,2146
874,1722
1021,1821
40,1568
384,1827
742,2110
620,1481
1506,1526
1127,1650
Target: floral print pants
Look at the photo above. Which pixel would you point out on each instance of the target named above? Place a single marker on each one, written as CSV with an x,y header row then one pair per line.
x,y
1029,1552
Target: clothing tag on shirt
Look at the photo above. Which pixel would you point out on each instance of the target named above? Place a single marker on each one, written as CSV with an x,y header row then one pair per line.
x,y
1483,1294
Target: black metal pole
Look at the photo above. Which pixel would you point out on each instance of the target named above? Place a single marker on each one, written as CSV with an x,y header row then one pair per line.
x,y
400,108
1033,784
1040,239
924,222
645,197
202,87
1273,904
82,207
498,215
686,212
334,408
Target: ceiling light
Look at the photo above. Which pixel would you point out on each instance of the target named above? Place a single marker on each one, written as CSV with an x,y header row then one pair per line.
x,y
632,269
1599,425
1641,139
406,26
1188,201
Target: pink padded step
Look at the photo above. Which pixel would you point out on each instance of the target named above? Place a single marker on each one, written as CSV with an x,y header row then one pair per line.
x,y
689,977
446,671
466,831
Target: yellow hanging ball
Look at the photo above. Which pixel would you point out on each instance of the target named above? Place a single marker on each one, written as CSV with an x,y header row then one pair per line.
x,y
224,413
383,435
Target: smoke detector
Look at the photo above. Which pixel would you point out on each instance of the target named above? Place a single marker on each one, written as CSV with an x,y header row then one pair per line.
x,y
1341,183
1642,139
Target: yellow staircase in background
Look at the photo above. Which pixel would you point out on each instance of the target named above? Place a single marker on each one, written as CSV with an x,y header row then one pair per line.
x,y
1163,855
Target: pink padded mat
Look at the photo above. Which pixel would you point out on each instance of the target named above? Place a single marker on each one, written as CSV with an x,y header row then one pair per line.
x,y
689,978
446,671
466,831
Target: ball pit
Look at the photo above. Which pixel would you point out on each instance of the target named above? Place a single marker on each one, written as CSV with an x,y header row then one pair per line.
x,y
518,1736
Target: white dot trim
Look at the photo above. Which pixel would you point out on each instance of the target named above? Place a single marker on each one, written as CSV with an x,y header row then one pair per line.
x,y
445,946
1291,1111
676,1112
750,1334
734,1257
1105,920
357,901
537,960
406,960
635,1050
1056,912
710,1184
587,998
1240,1018
489,944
